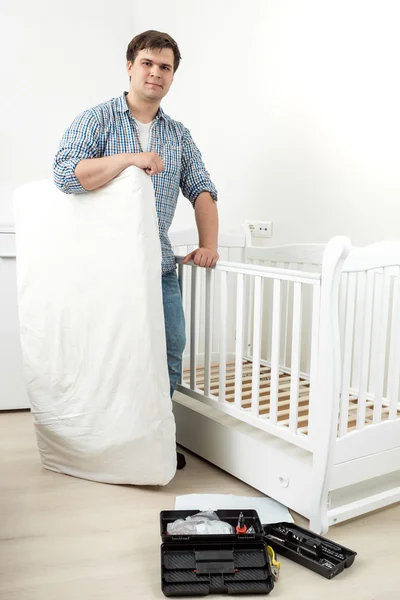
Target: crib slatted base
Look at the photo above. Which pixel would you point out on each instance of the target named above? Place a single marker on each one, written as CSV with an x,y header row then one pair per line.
x,y
283,394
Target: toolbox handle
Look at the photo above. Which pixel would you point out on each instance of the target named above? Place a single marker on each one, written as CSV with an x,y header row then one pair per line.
x,y
214,561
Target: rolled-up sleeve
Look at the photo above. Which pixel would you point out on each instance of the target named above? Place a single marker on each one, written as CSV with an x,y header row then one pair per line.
x,y
80,141
195,178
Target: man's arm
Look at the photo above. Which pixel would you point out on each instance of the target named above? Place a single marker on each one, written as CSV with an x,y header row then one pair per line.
x,y
197,186
79,165
206,214
92,173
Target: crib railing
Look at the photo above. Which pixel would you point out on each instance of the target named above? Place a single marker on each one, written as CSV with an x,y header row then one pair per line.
x,y
253,335
369,322
219,369
300,257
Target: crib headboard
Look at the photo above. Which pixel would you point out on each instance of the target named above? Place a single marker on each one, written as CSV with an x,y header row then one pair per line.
x,y
298,254
370,310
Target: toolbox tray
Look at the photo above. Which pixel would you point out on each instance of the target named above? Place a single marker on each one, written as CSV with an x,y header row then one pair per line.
x,y
309,549
198,565
251,518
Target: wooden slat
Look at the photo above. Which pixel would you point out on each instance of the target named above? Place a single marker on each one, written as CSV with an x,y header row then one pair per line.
x,y
230,365
230,375
264,410
283,398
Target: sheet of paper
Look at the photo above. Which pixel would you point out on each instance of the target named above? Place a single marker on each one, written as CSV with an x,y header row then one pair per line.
x,y
268,510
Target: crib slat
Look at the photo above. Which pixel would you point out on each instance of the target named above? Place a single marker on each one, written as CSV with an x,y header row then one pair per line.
x,y
394,351
348,321
376,300
187,286
275,351
250,312
379,357
239,340
286,325
222,350
343,304
367,283
208,332
266,336
182,288
257,344
200,294
193,314
295,360
314,346
358,328
180,277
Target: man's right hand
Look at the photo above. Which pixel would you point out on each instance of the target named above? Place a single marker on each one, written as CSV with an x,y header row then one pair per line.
x,y
150,162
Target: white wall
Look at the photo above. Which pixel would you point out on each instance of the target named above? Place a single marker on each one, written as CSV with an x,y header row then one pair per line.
x,y
294,104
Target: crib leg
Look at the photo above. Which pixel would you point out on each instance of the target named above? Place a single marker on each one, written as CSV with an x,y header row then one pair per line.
x,y
319,522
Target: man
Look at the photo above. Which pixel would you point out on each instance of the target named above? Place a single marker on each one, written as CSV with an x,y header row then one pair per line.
x,y
133,130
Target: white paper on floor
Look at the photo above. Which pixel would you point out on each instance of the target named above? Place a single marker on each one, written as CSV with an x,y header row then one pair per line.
x,y
269,511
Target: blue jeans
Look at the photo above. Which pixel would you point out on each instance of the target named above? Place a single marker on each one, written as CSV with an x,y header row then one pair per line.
x,y
174,326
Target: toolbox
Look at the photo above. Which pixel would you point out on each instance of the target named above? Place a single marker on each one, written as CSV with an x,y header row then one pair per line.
x,y
308,549
198,565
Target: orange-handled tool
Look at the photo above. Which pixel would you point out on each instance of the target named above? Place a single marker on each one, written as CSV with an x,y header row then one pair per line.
x,y
241,527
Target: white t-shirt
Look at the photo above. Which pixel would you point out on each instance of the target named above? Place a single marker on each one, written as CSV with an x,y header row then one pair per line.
x,y
144,134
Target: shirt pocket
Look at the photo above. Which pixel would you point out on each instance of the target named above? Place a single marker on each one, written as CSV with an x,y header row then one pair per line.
x,y
171,155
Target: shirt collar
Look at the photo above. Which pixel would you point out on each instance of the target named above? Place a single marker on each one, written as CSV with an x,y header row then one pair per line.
x,y
122,106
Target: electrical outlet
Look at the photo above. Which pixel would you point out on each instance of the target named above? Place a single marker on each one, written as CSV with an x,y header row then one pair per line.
x,y
262,229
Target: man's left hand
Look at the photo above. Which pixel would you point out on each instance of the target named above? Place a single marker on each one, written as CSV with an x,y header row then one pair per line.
x,y
203,257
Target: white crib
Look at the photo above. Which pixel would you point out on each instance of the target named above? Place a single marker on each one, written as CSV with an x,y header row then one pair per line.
x,y
290,380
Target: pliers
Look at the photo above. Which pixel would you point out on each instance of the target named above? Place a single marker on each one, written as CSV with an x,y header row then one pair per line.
x,y
275,565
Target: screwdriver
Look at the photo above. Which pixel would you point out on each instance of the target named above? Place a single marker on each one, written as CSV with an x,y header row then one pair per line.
x,y
241,527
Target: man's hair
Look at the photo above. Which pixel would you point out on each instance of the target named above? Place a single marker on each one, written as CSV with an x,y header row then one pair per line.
x,y
153,40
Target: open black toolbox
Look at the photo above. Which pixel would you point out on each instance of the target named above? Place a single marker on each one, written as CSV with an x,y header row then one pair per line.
x,y
198,565
308,549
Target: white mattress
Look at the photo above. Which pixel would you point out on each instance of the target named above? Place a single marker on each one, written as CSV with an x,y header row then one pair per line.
x,y
92,330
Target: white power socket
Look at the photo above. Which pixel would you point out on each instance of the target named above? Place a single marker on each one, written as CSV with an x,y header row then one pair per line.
x,y
262,229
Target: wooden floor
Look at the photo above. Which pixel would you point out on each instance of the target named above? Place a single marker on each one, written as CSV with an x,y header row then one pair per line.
x,y
283,394
63,538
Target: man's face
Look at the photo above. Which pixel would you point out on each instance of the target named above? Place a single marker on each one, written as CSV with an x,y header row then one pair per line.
x,y
152,73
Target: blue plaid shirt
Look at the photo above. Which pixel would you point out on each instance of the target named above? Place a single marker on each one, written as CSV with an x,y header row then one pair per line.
x,y
108,129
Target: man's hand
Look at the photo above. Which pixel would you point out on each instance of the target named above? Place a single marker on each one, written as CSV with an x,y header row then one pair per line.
x,y
150,162
203,257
